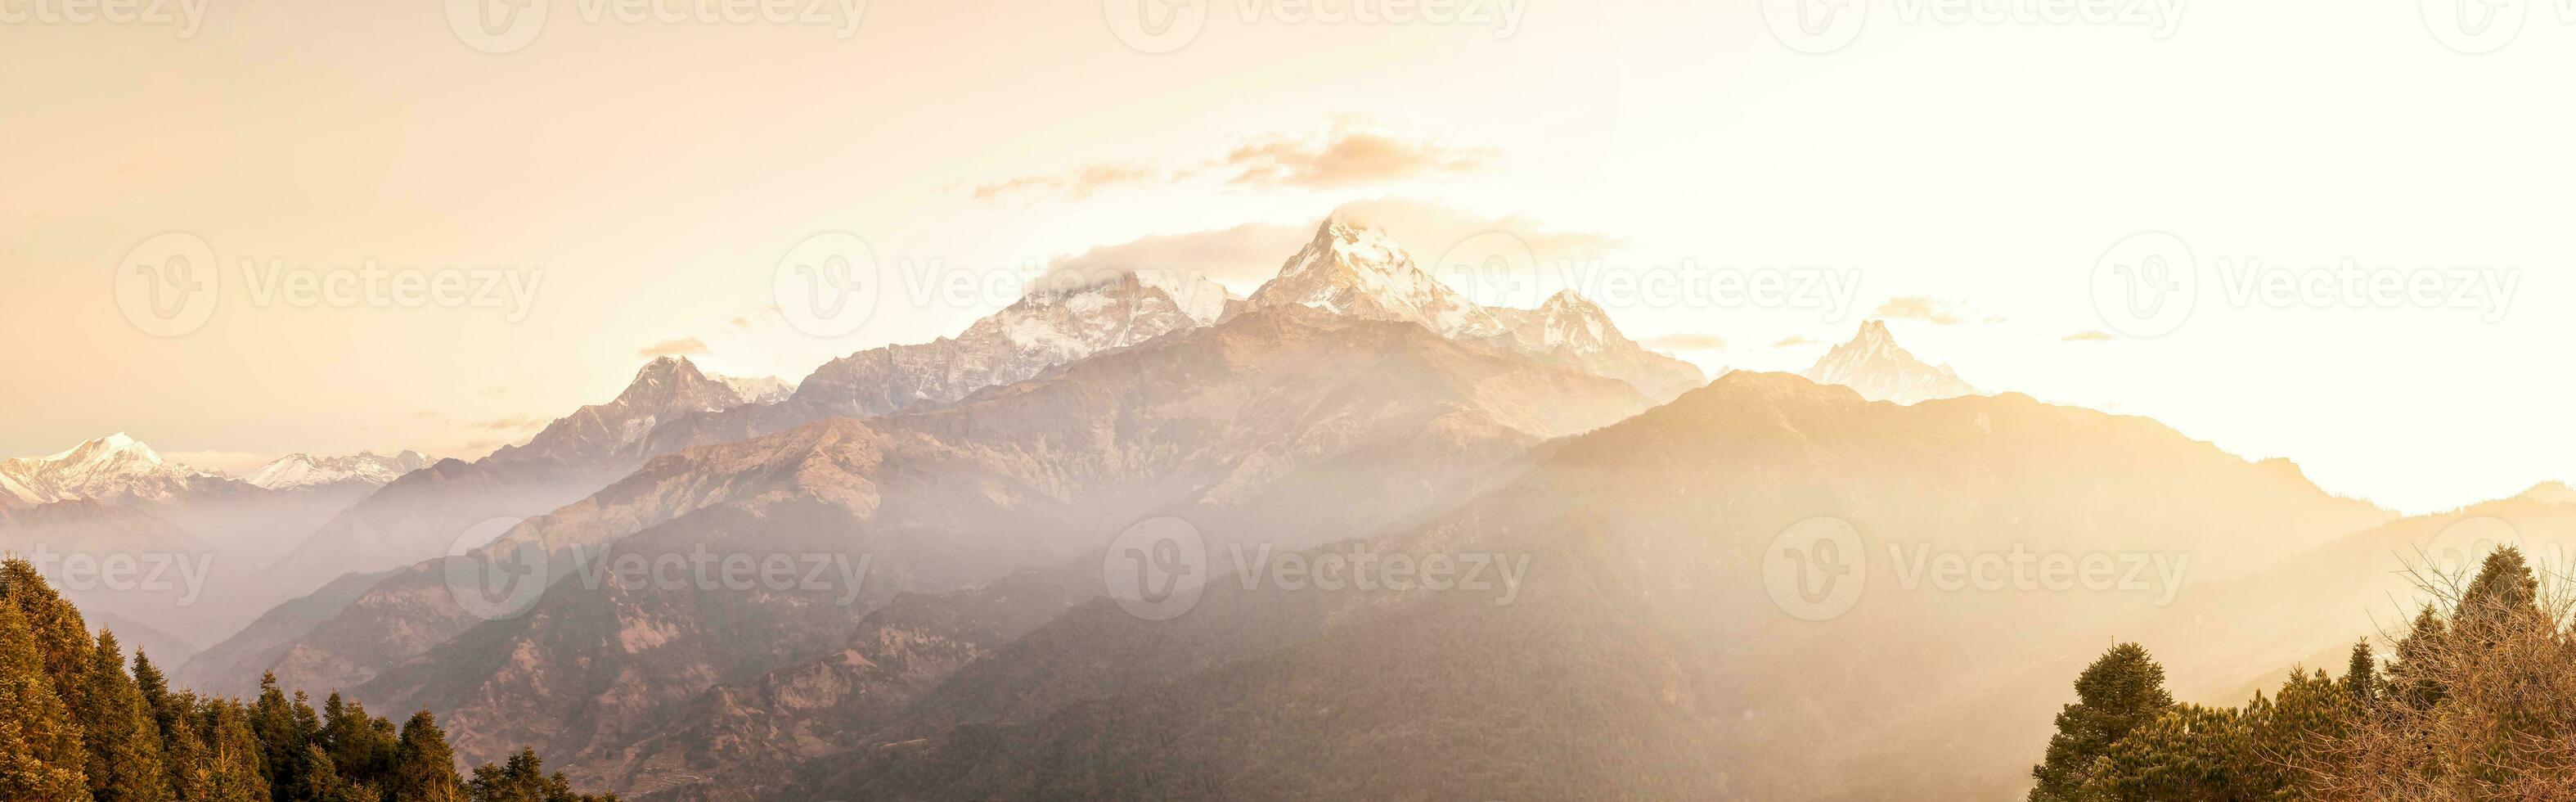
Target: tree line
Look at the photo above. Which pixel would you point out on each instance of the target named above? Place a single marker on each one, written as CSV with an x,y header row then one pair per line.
x,y
78,723
2477,701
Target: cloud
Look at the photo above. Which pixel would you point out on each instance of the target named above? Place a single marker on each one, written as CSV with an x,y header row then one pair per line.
x,y
1244,256
1931,310
2088,336
685,346
756,316
1081,182
512,423
1794,340
1344,156
1687,342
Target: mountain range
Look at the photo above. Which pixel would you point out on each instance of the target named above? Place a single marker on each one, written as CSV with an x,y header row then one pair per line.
x,y
1651,635
305,472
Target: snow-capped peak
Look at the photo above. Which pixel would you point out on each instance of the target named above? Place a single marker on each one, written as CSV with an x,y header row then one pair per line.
x,y
1875,365
110,468
304,471
1568,320
113,451
672,384
756,389
1357,270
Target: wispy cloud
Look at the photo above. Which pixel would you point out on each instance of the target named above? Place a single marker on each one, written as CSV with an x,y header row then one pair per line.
x,y
2088,336
756,317
685,346
511,423
1347,155
1081,182
1687,342
1346,158
1935,311
1794,340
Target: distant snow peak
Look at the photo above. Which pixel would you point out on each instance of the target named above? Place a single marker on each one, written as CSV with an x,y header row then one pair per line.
x,y
304,471
756,389
1053,325
1873,364
674,384
112,468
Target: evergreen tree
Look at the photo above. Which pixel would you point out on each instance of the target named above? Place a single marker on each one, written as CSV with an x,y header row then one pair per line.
x,y
361,746
2413,678
2361,678
284,726
2503,588
523,778
123,739
183,753
234,772
2188,754
424,767
61,637
2122,690
40,746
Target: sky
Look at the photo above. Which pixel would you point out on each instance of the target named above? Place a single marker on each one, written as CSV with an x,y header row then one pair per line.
x,y
2355,226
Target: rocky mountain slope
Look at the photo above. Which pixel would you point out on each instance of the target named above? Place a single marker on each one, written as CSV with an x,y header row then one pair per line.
x,y
1664,645
1286,427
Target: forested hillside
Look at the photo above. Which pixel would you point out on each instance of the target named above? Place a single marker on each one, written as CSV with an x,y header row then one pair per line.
x,y
77,725
2476,701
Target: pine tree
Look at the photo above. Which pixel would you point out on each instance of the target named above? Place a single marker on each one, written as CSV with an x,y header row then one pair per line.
x,y
2361,678
61,637
523,778
361,746
284,727
424,767
2122,690
2503,588
123,739
40,745
2413,678
183,753
233,769
2187,753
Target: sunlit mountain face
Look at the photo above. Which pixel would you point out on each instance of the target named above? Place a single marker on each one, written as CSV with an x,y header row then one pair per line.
x,y
546,402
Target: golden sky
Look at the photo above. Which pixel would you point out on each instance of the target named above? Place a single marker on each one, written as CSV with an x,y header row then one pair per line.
x,y
641,179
